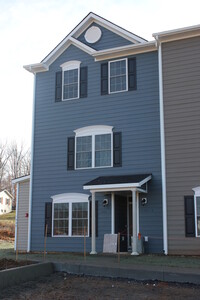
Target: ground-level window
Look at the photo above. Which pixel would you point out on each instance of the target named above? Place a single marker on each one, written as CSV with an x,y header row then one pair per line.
x,y
70,215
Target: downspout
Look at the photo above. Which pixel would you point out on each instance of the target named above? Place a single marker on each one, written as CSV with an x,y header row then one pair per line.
x,y
31,173
16,217
162,141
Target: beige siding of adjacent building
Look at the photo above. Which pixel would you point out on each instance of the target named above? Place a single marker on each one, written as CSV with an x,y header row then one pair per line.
x,y
23,208
181,88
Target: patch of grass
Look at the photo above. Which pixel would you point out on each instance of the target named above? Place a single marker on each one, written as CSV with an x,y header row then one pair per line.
x,y
8,217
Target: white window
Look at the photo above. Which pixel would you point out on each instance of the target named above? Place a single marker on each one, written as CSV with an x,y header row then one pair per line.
x,y
70,215
197,210
118,76
94,146
70,79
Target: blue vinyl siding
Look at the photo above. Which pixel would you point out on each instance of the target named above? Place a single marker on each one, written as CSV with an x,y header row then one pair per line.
x,y
134,113
108,39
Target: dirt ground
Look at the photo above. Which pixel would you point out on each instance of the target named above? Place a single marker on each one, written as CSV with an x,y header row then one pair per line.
x,y
64,286
10,263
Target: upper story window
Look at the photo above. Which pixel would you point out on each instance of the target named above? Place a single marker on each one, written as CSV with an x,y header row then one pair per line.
x,y
1,200
71,82
70,79
118,76
93,145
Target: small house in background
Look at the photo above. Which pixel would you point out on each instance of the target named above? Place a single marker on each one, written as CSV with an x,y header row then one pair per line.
x,y
5,202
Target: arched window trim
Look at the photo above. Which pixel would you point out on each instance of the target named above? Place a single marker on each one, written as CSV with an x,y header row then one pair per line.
x,y
93,131
70,198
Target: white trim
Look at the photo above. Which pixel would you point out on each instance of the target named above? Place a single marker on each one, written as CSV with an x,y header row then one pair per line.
x,y
127,186
196,194
112,61
163,162
70,65
112,213
69,198
71,39
31,172
16,216
124,51
94,131
90,130
21,179
177,34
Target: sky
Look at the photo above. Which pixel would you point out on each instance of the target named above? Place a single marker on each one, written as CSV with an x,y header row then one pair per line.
x,y
30,29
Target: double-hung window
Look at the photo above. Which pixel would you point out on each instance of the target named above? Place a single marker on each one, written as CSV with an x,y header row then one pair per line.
x,y
94,147
197,210
118,76
70,80
70,215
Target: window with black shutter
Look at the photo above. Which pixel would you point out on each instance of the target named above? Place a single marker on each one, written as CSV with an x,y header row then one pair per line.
x,y
83,82
189,216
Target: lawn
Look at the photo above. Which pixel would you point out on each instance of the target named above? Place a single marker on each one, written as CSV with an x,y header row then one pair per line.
x,y
7,226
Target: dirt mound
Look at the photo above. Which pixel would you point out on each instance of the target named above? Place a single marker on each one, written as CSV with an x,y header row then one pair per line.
x,y
10,263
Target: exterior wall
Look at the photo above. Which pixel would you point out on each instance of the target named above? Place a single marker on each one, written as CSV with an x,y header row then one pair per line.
x,y
181,78
22,220
108,39
134,113
5,208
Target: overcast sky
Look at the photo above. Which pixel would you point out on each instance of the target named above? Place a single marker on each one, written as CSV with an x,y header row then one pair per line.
x,y
30,29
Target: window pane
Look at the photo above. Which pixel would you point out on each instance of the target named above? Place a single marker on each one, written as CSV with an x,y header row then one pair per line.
x,y
103,150
84,152
79,218
198,206
61,218
70,88
118,76
198,225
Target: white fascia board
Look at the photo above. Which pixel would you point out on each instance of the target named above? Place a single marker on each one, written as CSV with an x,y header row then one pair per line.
x,y
177,34
21,179
44,66
145,180
36,68
125,51
111,186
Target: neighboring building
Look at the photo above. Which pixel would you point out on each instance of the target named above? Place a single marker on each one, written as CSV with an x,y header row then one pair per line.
x,y
22,212
115,145
96,135
181,97
5,202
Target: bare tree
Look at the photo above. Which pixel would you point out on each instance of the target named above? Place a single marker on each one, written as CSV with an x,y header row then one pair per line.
x,y
4,157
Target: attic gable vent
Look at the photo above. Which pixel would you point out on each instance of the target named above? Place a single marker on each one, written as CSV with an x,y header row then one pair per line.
x,y
93,34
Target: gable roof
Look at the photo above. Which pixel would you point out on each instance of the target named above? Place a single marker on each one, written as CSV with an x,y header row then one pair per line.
x,y
9,195
71,39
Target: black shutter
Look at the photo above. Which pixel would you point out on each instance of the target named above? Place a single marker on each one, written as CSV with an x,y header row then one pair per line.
x,y
132,82
70,153
58,90
48,218
83,82
104,79
189,216
117,149
96,217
